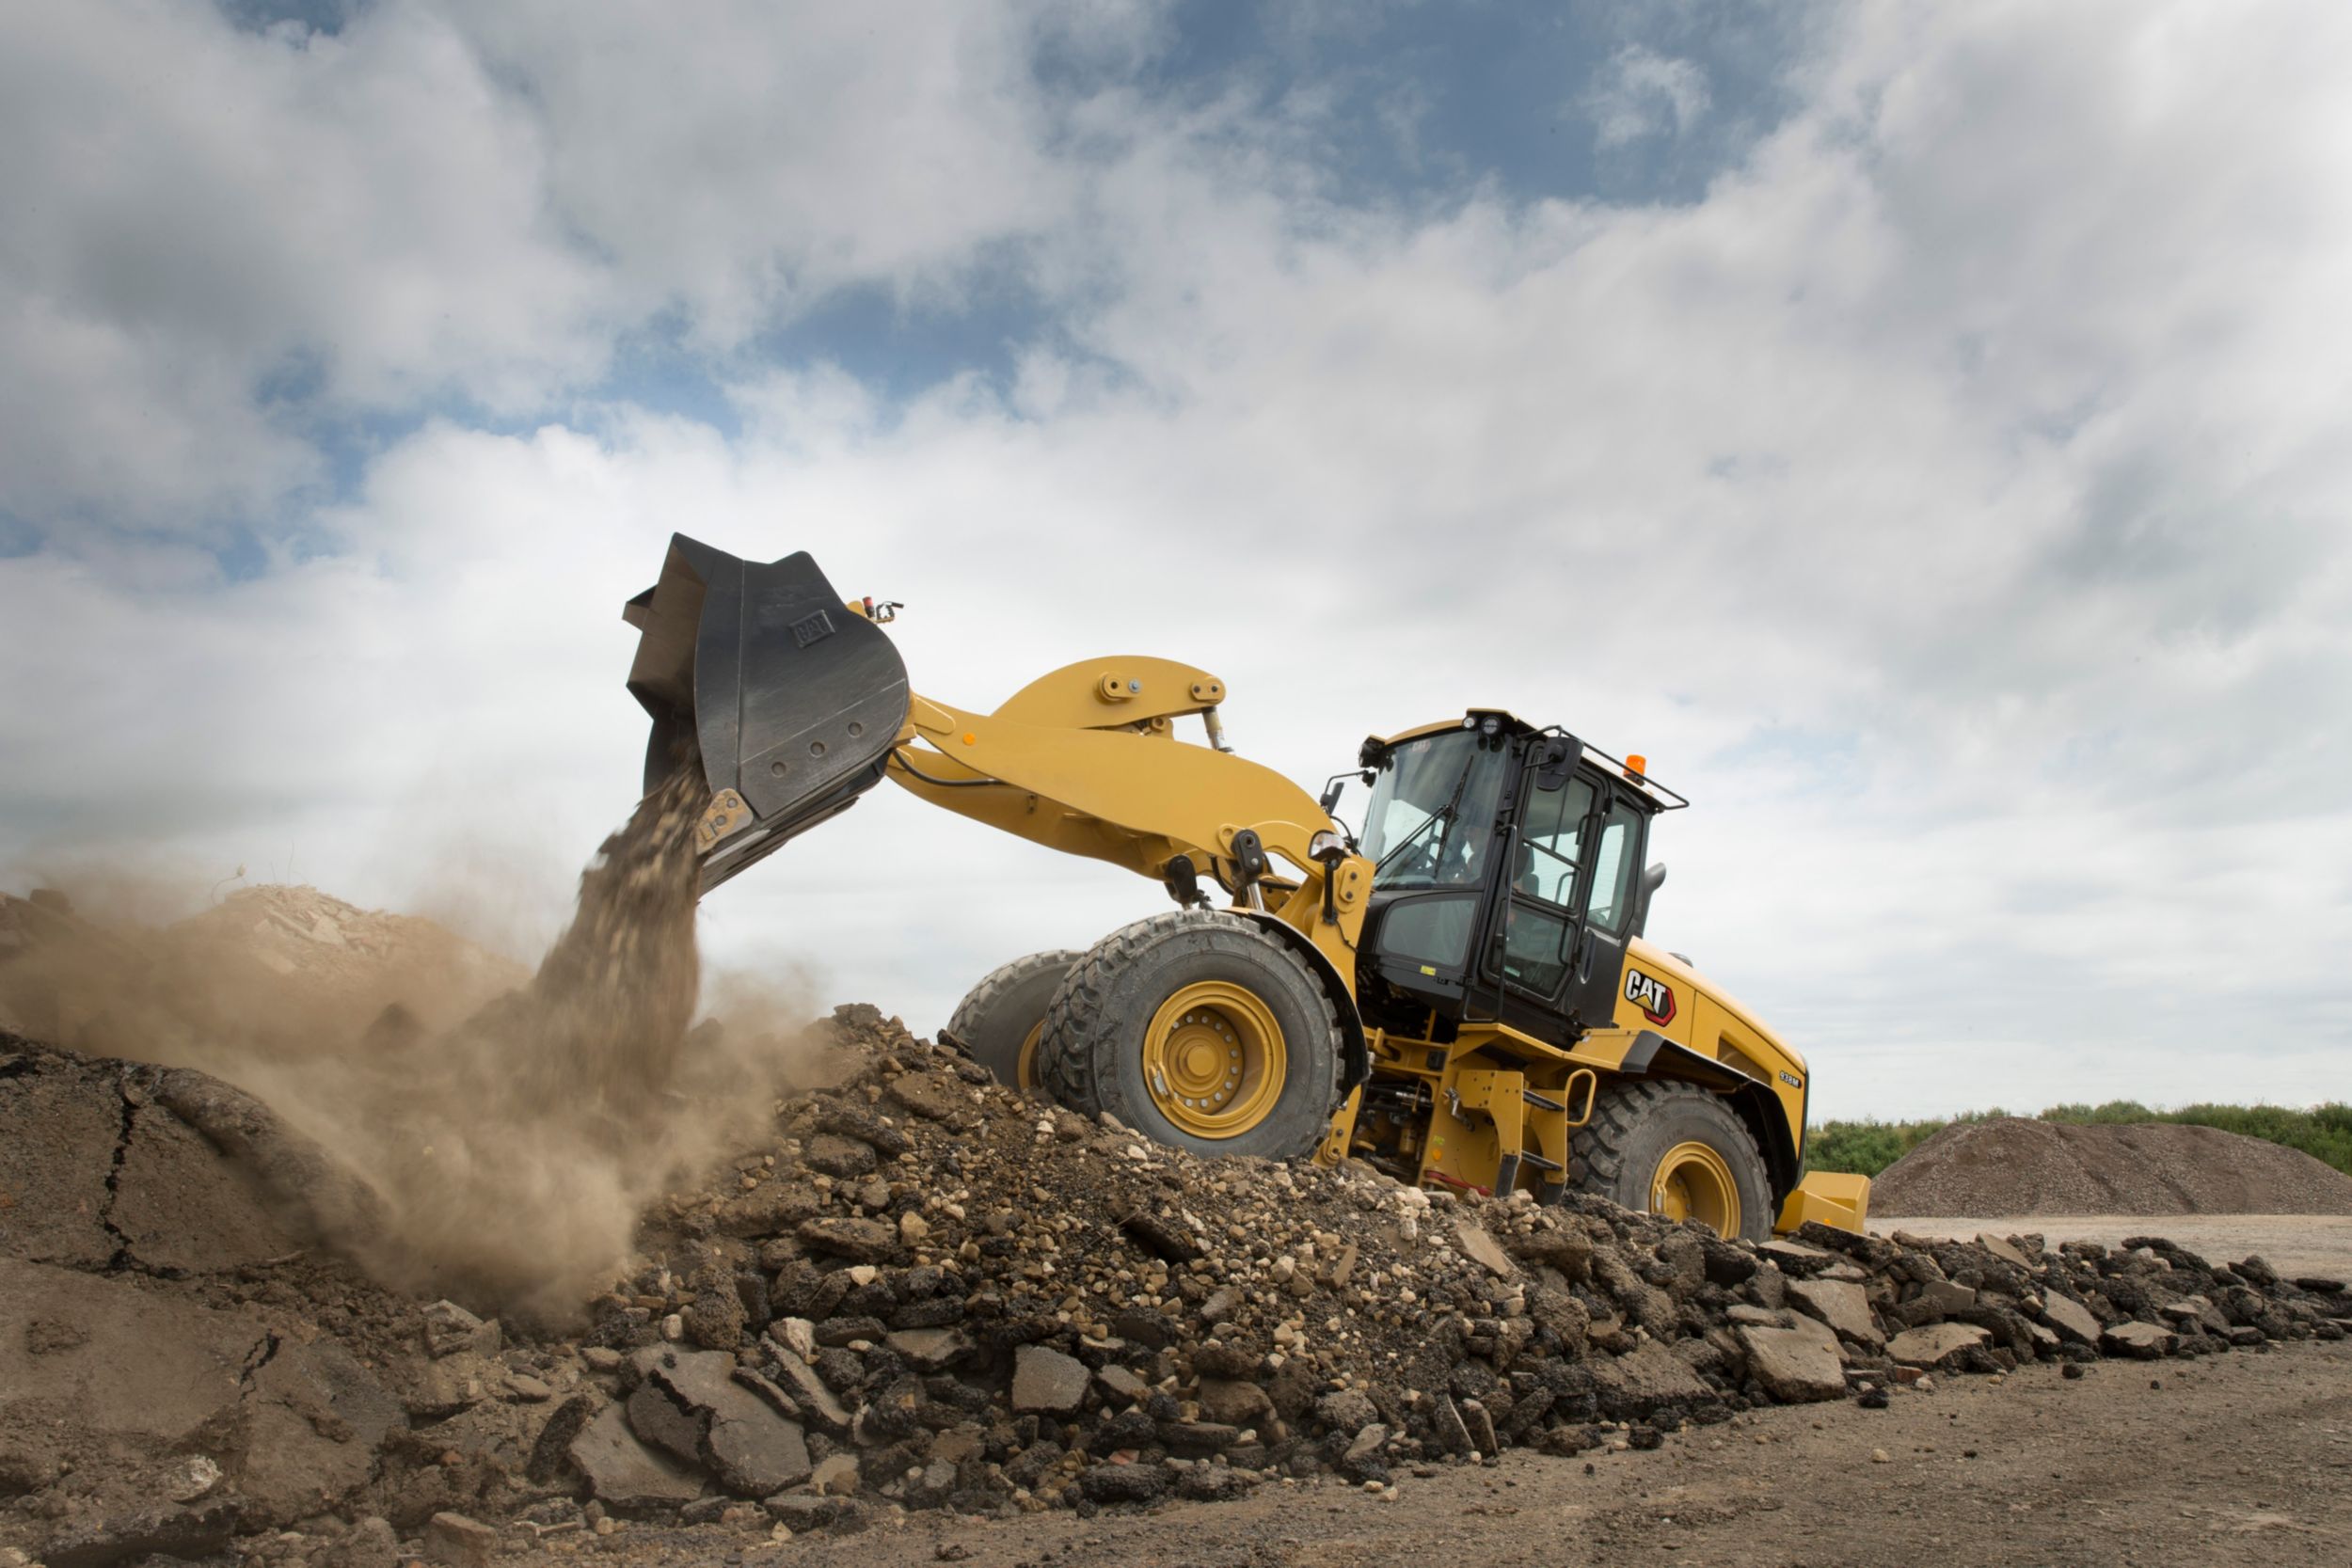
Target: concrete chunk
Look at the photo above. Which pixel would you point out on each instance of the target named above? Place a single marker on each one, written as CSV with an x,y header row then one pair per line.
x,y
1048,1380
1840,1304
1797,1365
692,1404
1121,1383
624,1473
1945,1296
929,1350
2002,1250
458,1541
859,1241
816,1402
2142,1341
1480,1248
1648,1378
1795,1258
2071,1318
1933,1346
757,1452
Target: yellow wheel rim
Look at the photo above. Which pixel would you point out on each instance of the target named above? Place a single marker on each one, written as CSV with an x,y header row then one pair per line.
x,y
1025,1066
1213,1061
1694,1182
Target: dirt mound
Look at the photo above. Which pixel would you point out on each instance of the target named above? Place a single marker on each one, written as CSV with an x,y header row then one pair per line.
x,y
505,1128
345,952
194,1365
916,1289
2012,1165
269,971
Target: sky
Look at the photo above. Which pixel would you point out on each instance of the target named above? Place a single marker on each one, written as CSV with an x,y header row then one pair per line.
x,y
1922,431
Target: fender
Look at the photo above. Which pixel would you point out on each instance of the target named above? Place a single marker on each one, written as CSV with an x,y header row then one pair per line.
x,y
1653,1055
1355,1052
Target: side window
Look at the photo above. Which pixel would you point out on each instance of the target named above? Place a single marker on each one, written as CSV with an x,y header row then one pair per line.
x,y
1434,930
1548,853
1612,870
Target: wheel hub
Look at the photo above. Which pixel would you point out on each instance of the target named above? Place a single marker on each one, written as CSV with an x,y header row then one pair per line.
x,y
1025,1066
1213,1059
1693,1181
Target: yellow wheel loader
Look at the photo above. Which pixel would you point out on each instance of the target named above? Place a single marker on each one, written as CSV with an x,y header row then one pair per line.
x,y
1459,995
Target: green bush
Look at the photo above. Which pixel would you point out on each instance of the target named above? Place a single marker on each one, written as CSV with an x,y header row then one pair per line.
x,y
1867,1148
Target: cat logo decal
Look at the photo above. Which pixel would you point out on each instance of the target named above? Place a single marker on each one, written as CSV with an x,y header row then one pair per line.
x,y
1652,995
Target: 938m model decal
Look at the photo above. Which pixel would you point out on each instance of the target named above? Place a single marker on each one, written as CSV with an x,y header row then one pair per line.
x,y
1652,995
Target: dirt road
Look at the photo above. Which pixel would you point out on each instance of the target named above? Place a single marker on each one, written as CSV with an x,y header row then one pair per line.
x,y
2295,1244
2238,1459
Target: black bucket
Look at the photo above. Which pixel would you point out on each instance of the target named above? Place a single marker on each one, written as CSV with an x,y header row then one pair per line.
x,y
792,697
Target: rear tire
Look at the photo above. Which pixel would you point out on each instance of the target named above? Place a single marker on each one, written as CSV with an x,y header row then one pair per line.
x,y
1200,1030
1000,1019
1656,1145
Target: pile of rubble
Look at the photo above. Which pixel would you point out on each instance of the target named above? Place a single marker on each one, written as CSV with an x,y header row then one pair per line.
x,y
932,1293
926,1291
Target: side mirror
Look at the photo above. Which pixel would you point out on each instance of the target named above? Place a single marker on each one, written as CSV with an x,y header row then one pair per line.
x,y
1554,763
1652,879
1330,799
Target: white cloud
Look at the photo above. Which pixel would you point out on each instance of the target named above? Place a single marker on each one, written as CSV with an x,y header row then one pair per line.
x,y
1646,94
215,233
195,210
762,154
1951,502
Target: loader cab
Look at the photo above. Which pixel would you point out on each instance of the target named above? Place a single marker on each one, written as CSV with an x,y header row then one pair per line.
x,y
1508,876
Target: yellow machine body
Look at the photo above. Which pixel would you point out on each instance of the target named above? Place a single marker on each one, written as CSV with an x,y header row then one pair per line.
x,y
1087,760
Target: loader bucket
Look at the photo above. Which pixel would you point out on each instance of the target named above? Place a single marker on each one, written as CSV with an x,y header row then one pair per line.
x,y
793,699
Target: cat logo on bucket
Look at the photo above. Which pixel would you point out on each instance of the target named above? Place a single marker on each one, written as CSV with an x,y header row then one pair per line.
x,y
1652,995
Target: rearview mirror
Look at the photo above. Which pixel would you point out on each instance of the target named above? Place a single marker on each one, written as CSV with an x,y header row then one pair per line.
x,y
1652,879
1555,762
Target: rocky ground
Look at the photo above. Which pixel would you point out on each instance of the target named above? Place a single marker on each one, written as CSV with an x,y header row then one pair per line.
x,y
2295,1244
924,1297
2240,1460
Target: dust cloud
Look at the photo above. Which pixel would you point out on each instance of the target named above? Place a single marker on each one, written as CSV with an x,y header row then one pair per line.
x,y
500,1135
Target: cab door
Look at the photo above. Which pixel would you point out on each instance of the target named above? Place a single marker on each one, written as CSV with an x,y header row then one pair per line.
x,y
1543,891
1617,834
1568,908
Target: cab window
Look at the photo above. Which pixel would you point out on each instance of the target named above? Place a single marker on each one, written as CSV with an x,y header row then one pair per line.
x,y
1431,817
1613,862
1535,940
1548,853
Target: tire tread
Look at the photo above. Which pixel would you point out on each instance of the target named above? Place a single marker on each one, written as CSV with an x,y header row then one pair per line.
x,y
1075,1055
971,1014
1598,1151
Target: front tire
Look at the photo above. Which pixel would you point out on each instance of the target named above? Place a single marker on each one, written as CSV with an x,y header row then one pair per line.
x,y
1000,1020
1678,1150
1200,1030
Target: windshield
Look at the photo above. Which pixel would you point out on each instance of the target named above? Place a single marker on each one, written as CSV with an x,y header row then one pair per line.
x,y
1433,811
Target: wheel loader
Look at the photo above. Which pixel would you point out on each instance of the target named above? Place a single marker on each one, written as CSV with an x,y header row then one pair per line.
x,y
1459,993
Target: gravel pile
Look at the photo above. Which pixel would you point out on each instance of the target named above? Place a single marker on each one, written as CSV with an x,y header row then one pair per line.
x,y
2015,1167
923,1292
